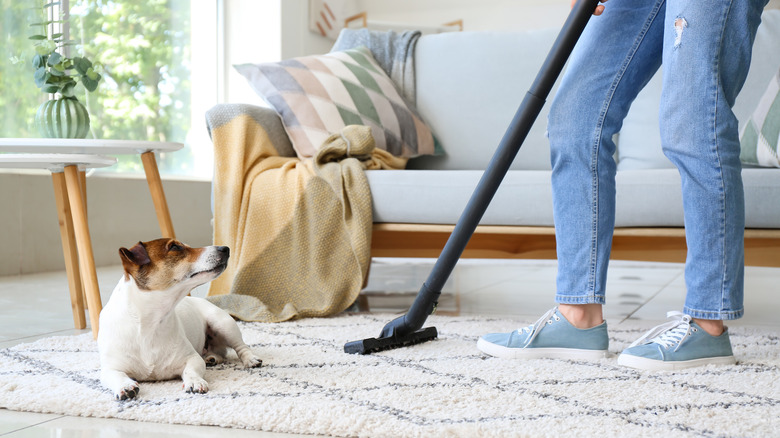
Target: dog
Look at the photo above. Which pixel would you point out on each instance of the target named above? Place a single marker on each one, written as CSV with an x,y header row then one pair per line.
x,y
151,330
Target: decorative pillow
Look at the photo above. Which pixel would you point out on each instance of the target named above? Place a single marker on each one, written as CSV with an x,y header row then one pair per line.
x,y
317,96
761,134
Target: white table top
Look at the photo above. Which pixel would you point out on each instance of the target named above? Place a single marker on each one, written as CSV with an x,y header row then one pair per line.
x,y
84,146
54,162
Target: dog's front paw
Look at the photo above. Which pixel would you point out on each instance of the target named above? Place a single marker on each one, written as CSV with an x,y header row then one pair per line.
x,y
128,392
196,385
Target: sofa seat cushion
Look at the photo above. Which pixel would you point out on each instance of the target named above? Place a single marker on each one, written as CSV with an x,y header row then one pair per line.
x,y
439,196
645,198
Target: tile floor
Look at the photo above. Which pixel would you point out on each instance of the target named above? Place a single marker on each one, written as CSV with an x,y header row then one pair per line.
x,y
37,305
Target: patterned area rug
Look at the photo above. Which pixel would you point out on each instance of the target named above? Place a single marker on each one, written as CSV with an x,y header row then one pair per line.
x,y
307,385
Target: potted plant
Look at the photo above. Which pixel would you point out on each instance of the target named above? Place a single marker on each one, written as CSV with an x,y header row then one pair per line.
x,y
63,116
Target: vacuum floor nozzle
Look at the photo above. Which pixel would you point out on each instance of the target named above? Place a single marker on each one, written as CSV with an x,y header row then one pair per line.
x,y
372,345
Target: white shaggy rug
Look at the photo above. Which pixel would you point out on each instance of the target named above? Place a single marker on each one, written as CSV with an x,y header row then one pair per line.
x,y
308,385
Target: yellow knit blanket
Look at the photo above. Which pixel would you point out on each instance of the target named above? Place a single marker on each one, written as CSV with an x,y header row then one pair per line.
x,y
299,232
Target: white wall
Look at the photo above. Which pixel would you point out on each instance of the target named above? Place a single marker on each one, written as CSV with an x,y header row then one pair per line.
x,y
252,34
297,40
476,14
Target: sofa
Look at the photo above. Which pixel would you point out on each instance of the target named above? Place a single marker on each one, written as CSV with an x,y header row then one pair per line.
x,y
468,87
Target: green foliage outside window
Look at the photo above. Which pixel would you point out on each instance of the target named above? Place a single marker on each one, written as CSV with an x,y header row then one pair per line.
x,y
145,52
19,96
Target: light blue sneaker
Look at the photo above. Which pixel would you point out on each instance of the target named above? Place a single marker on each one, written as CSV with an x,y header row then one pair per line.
x,y
677,344
552,336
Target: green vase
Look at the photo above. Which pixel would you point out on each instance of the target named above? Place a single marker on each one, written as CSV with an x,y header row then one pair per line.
x,y
62,118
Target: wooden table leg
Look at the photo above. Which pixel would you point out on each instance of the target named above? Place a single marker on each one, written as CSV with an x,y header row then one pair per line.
x,y
83,185
84,246
158,196
69,250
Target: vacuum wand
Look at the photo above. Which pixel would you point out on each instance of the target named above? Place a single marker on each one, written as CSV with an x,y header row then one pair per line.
x,y
405,330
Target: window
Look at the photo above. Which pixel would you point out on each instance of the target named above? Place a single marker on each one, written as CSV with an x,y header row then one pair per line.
x,y
155,85
19,97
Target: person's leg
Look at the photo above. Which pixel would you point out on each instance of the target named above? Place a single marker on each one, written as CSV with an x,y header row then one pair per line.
x,y
706,56
616,56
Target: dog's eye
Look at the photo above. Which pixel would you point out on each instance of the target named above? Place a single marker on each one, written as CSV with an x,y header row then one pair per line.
x,y
174,247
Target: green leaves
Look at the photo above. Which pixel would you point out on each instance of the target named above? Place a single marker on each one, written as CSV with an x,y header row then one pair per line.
x,y
46,23
38,61
50,88
41,76
82,65
44,47
54,59
53,72
91,79
90,84
67,90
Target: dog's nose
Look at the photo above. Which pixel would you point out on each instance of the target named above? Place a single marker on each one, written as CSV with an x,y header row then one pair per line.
x,y
224,250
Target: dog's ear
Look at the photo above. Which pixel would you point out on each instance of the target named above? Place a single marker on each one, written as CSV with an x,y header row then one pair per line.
x,y
134,257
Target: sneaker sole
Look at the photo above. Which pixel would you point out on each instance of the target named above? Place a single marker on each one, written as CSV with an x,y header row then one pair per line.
x,y
643,363
539,353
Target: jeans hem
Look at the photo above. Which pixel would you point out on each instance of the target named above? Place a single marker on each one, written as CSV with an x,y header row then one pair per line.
x,y
580,299
714,315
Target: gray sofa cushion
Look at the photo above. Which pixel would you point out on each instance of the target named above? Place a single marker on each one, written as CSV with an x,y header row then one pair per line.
x,y
438,197
469,86
645,198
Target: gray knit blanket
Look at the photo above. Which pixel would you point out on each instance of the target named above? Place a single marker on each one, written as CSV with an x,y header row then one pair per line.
x,y
394,52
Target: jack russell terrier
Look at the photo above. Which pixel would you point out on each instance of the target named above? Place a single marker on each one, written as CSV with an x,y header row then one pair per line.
x,y
151,330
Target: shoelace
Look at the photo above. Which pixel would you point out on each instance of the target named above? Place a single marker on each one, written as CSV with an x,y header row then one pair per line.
x,y
536,327
669,333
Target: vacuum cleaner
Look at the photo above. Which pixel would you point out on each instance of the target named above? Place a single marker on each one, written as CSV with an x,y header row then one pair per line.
x,y
406,330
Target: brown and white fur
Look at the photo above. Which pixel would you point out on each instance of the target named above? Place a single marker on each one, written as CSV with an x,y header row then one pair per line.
x,y
151,330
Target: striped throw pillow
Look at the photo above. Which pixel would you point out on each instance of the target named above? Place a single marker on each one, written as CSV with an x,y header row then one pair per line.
x,y
761,134
317,96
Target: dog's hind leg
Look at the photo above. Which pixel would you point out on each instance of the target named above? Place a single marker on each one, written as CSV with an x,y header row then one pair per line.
x,y
215,351
225,332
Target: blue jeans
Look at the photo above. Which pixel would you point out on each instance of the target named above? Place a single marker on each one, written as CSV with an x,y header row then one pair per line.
x,y
705,48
